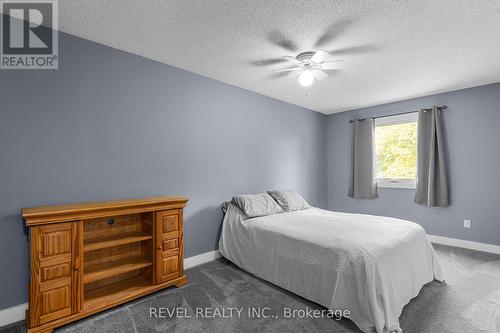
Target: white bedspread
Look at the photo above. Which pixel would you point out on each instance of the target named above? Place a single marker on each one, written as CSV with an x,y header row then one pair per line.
x,y
369,265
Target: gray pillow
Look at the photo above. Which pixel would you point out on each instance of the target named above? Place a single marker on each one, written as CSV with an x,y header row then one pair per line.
x,y
289,200
254,205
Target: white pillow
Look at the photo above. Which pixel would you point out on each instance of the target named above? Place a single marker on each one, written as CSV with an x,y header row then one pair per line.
x,y
254,205
289,200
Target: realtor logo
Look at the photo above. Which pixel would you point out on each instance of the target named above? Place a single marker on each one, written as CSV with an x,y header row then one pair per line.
x,y
29,38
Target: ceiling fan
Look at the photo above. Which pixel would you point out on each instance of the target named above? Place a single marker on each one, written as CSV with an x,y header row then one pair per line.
x,y
311,65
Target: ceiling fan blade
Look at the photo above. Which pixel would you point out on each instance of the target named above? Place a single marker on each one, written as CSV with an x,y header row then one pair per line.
x,y
279,75
333,31
320,56
337,64
280,39
287,69
319,75
267,62
292,59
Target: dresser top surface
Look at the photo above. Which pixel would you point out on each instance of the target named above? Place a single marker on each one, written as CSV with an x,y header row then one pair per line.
x,y
102,205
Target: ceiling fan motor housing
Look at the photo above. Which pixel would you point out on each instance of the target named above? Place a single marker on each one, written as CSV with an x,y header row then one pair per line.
x,y
305,57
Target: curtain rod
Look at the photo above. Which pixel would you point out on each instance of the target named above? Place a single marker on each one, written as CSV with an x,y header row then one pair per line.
x,y
444,107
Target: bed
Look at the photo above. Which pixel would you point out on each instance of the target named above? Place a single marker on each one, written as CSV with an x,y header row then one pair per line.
x,y
369,265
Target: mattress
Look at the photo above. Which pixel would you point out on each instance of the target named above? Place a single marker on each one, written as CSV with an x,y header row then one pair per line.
x,y
371,266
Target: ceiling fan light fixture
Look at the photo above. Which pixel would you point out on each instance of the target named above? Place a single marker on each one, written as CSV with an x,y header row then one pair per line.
x,y
306,78
311,66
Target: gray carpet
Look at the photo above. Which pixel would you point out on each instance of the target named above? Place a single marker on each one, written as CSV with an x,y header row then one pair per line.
x,y
468,302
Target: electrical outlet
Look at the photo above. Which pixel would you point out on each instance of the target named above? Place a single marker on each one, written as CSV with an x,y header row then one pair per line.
x,y
467,224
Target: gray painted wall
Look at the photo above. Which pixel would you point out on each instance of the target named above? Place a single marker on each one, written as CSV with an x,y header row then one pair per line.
x,y
111,125
473,135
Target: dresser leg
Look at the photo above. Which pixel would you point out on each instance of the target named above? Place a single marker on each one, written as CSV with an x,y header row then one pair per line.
x,y
181,282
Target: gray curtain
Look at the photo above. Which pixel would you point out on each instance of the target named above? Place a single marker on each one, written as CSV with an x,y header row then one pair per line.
x,y
432,184
363,183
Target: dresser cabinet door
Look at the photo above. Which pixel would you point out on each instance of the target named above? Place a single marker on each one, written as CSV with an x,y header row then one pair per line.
x,y
169,245
54,271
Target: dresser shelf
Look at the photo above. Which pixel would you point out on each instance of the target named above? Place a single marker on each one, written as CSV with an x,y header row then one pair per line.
x,y
114,292
108,269
114,240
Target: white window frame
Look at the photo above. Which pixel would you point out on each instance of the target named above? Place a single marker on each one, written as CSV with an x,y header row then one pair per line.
x,y
394,120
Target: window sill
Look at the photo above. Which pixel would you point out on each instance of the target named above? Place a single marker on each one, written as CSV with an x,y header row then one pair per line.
x,y
397,183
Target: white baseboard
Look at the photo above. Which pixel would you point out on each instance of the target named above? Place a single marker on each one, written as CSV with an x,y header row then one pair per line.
x,y
13,314
201,259
18,312
465,244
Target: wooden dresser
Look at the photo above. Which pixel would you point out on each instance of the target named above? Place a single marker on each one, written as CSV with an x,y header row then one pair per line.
x,y
88,257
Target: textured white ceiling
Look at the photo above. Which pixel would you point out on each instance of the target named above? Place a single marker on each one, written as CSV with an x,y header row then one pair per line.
x,y
393,49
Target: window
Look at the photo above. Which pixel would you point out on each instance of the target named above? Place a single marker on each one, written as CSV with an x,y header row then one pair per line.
x,y
396,150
